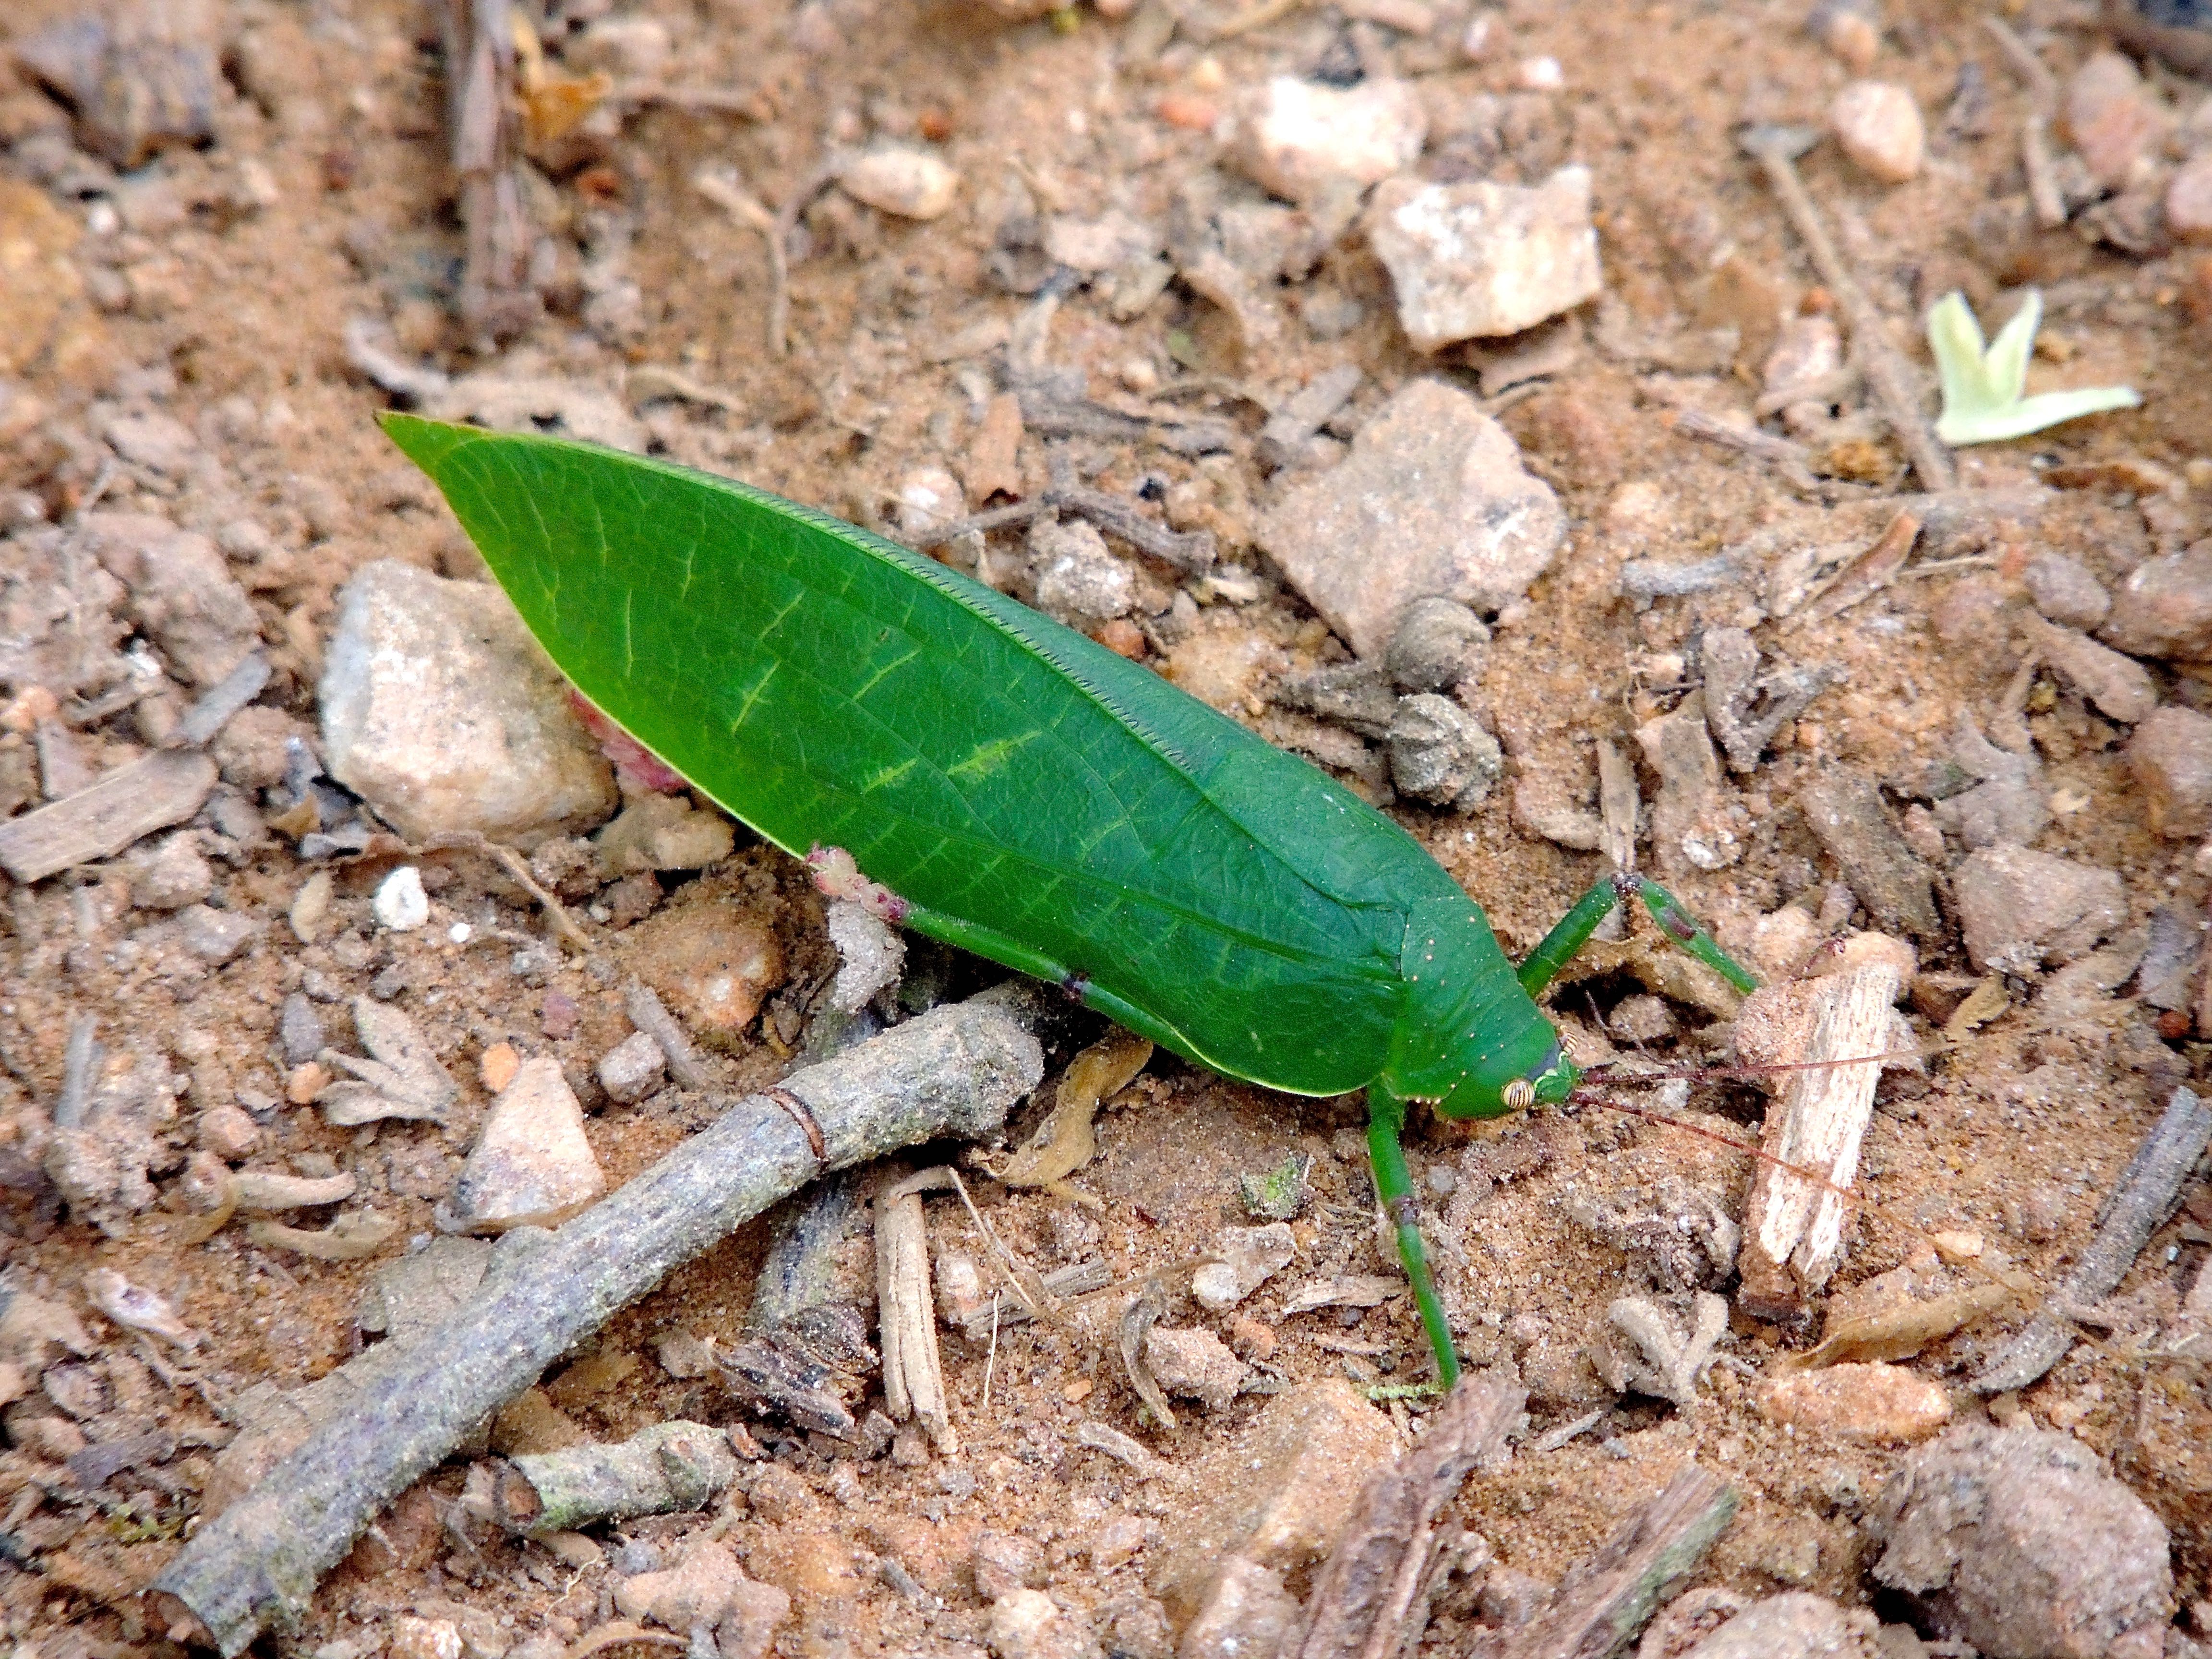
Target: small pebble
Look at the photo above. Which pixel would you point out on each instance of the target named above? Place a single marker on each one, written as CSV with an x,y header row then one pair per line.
x,y
909,183
2188,201
557,1016
311,907
1005,1562
1541,75
531,1163
229,1132
1955,1245
2111,120
2065,592
299,1030
173,876
1028,1624
633,1069
1879,126
1439,754
1195,1364
305,1083
1300,135
1249,1256
424,1638
2171,757
1861,1405
497,1065
218,936
400,903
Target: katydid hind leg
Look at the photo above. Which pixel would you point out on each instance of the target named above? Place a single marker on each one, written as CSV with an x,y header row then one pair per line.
x,y
1393,1185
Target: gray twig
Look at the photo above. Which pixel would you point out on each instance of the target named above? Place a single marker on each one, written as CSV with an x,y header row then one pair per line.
x,y
650,1015
2146,1194
1775,149
80,1065
953,1072
1791,460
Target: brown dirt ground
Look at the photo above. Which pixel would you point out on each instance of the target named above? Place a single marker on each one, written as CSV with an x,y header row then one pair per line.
x,y
2019,1136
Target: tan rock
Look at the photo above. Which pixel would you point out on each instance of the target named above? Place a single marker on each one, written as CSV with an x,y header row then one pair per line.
x,y
1880,127
1864,1405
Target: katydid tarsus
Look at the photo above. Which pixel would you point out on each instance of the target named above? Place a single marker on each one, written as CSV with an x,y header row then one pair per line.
x,y
1027,794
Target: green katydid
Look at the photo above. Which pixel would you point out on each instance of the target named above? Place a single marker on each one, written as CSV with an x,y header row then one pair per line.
x,y
1027,794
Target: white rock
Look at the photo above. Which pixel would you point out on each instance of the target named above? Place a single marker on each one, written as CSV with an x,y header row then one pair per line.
x,y
1478,260
629,48
633,1069
400,902
439,709
1880,127
1432,501
1080,581
1249,1257
531,1162
1300,135
929,498
910,183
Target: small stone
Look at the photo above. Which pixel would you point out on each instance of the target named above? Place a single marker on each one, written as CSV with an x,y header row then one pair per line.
x,y
2163,609
172,875
696,1591
1005,1562
254,747
1845,812
1080,582
1478,260
1438,753
1862,1404
153,440
909,183
2189,200
2017,1541
2171,755
2118,685
218,936
2111,120
633,1069
749,1620
424,1638
531,1162
1432,501
1028,1625
1781,943
1439,644
311,907
1793,1626
663,832
2021,909
1879,126
299,1030
1280,1494
1245,1610
1249,1257
305,1082
1300,136
710,967
929,498
400,902
229,1132
496,1066
182,590
1119,1538
1096,246
439,708
2065,592
1195,1364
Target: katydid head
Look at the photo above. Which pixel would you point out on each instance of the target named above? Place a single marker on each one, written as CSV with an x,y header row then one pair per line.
x,y
1469,1042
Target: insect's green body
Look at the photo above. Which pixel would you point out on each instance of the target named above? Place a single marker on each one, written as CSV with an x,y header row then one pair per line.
x,y
1033,797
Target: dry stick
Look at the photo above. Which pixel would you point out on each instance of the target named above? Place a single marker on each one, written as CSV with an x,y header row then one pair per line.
x,y
479,65
1792,461
2034,74
1775,150
914,1377
1362,1594
953,1072
666,1469
1604,1601
2146,1194
650,1015
1794,1230
747,209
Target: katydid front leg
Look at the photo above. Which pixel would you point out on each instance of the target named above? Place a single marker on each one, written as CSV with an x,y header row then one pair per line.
x,y
1574,929
1393,1186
